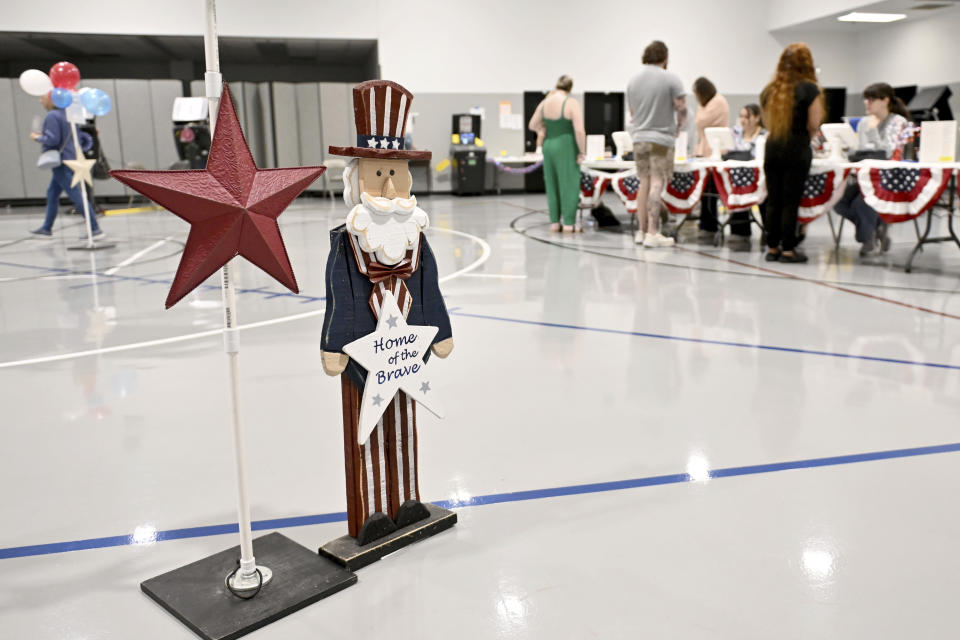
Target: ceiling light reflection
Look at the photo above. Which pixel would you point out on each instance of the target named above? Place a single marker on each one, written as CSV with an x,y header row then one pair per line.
x,y
460,497
818,564
145,534
698,467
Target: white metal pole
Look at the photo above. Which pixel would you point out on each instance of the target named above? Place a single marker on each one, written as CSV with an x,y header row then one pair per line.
x,y
83,186
246,577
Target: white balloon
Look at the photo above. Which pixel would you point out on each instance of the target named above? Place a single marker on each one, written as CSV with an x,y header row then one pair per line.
x,y
35,82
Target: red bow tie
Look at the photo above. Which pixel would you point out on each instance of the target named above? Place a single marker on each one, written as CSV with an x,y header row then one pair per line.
x,y
378,272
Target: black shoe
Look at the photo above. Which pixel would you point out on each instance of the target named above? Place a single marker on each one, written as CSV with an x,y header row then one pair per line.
x,y
409,512
794,256
377,526
772,256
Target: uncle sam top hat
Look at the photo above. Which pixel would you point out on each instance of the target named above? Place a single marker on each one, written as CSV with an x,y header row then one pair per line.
x,y
380,109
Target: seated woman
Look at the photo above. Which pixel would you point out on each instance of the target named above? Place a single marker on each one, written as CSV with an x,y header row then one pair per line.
x,y
882,129
748,135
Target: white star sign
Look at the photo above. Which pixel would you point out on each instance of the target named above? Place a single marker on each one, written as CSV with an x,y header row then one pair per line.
x,y
81,168
393,357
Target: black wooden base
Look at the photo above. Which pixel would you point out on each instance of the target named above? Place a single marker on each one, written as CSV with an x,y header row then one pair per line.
x,y
346,552
197,596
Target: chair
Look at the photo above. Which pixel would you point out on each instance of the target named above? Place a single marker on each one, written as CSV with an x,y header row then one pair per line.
x,y
333,174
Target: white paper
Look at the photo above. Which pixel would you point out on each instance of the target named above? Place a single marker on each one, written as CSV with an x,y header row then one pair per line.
x,y
680,148
77,114
505,107
511,121
479,111
938,141
595,146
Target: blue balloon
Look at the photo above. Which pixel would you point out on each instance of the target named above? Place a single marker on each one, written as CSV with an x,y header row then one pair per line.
x,y
96,102
61,98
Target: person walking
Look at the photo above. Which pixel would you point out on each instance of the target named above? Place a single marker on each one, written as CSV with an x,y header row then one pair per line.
x,y
658,107
793,110
58,137
558,122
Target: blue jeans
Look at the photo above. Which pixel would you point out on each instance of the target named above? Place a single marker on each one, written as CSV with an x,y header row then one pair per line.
x,y
60,182
853,207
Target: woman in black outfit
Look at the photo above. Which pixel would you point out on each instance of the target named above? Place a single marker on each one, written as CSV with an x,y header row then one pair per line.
x,y
793,111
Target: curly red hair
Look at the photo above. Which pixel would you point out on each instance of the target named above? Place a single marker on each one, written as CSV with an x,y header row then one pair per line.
x,y
795,66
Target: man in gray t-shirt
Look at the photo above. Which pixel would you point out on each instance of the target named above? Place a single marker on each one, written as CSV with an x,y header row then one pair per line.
x,y
658,107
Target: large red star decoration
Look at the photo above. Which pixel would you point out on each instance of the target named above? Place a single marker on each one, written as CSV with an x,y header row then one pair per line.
x,y
232,206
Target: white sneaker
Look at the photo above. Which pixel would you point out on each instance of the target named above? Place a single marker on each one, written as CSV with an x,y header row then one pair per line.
x,y
638,237
658,240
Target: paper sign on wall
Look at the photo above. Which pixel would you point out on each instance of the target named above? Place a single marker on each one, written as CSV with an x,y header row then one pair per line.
x,y
505,107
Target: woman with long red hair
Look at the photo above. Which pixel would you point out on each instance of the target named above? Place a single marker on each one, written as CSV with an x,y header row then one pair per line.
x,y
793,111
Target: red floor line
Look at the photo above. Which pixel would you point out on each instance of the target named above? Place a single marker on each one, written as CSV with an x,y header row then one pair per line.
x,y
822,284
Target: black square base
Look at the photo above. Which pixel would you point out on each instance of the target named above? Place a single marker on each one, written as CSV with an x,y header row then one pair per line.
x,y
346,552
197,596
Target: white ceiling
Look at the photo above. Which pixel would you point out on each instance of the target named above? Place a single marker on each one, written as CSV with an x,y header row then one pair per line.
x,y
830,23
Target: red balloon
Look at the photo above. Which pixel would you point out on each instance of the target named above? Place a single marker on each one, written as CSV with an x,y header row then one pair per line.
x,y
64,75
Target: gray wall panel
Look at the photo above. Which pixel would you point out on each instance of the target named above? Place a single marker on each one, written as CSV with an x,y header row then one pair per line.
x,y
26,108
11,140
336,120
134,110
336,114
285,127
431,132
310,125
162,95
266,125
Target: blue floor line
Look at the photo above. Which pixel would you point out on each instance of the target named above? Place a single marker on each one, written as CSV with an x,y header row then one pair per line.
x,y
495,498
722,343
154,280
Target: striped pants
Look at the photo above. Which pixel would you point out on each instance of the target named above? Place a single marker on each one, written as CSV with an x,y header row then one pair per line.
x,y
381,472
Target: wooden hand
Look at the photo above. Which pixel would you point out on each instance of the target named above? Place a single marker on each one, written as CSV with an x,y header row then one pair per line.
x,y
443,348
333,362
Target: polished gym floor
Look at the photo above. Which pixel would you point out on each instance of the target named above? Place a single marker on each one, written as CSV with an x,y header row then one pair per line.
x,y
656,443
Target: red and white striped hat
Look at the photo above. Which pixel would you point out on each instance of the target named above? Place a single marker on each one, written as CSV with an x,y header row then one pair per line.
x,y
380,109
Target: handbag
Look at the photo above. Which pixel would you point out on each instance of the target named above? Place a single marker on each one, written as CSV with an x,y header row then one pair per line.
x,y
50,159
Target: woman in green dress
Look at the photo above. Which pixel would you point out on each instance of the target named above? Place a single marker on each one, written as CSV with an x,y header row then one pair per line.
x,y
558,122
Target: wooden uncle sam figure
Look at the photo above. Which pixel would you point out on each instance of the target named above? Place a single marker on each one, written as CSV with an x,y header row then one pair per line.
x,y
380,264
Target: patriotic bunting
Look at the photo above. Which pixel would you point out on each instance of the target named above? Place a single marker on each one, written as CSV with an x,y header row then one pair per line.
x,y
592,185
740,186
824,186
899,193
685,189
625,184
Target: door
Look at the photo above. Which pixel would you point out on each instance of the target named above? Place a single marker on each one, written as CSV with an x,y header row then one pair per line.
x,y
603,114
533,181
